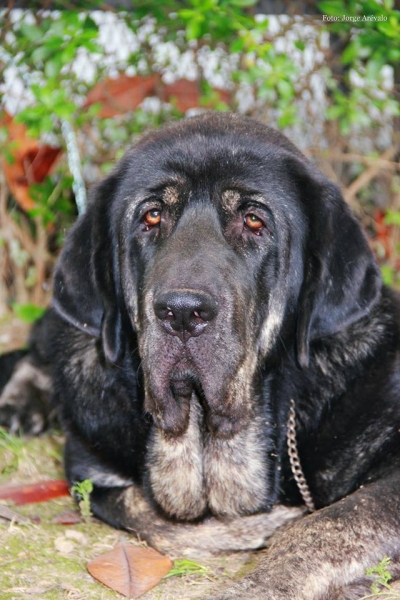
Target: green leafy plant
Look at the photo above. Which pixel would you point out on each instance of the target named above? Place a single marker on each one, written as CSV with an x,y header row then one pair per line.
x,y
28,312
82,491
381,575
380,587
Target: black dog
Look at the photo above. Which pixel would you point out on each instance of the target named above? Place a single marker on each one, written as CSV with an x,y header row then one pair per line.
x,y
216,295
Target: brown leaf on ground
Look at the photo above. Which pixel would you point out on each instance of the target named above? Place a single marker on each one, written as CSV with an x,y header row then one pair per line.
x,y
35,492
129,570
67,517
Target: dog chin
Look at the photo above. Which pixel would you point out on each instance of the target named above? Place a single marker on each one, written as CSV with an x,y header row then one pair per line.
x,y
171,410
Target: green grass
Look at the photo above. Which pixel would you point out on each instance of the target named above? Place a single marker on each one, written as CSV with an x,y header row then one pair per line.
x,y
14,447
183,567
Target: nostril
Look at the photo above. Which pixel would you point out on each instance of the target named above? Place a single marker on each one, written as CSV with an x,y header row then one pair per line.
x,y
185,312
163,312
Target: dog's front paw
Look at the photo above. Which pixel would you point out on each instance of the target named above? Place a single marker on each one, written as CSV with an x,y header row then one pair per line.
x,y
25,400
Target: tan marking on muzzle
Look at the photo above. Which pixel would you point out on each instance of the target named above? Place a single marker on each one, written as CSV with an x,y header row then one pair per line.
x,y
175,467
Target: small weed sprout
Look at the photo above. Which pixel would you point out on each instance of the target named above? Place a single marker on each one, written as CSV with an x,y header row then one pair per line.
x,y
381,574
183,567
82,491
380,587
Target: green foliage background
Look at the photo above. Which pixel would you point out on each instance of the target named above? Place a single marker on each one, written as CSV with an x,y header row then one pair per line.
x,y
42,45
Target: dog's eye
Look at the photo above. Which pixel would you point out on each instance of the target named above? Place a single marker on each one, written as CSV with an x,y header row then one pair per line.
x,y
152,218
254,223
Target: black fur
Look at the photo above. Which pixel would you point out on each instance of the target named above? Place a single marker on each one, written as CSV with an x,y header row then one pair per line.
x,y
175,349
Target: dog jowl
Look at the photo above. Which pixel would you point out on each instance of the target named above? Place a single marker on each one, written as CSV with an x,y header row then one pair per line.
x,y
217,279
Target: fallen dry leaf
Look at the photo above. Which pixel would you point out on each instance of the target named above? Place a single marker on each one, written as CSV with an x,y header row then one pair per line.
x,y
67,517
129,570
35,492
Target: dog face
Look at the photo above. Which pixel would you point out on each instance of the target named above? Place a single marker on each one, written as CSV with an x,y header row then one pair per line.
x,y
205,281
215,241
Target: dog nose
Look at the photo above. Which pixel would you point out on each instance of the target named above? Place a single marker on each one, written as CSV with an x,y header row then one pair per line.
x,y
185,313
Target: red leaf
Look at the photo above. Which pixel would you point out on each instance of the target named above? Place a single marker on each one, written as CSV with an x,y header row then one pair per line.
x,y
129,570
187,94
383,232
35,492
123,94
32,161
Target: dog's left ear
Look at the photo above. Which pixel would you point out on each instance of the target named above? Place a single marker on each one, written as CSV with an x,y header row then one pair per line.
x,y
342,280
86,279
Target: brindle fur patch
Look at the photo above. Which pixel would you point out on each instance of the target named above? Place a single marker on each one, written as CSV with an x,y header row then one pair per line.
x,y
230,199
171,196
233,472
323,553
175,469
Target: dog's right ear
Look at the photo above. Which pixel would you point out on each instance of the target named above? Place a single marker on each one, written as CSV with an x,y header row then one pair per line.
x,y
86,278
75,294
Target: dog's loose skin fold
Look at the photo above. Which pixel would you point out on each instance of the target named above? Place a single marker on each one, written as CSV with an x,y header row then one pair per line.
x,y
216,276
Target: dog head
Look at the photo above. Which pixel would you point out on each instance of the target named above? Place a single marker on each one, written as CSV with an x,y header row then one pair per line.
x,y
217,240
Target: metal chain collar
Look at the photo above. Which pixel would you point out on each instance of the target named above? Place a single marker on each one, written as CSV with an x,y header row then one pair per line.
x,y
295,460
